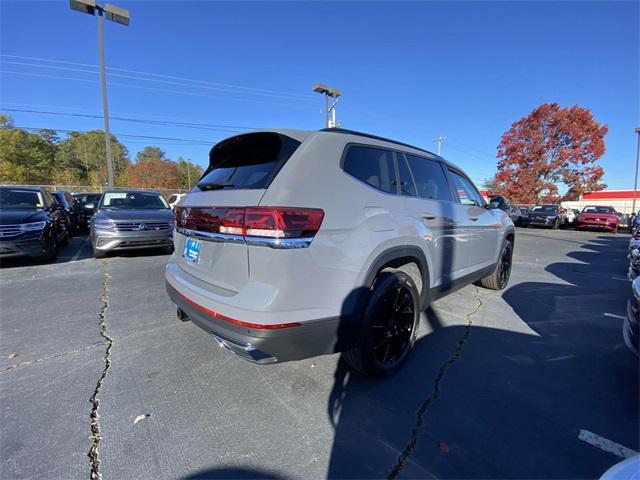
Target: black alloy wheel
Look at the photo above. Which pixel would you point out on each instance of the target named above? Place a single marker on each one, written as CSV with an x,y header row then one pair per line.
x,y
504,271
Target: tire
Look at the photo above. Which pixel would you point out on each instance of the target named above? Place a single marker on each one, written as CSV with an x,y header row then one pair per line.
x,y
615,229
65,240
499,278
389,326
556,225
51,249
168,250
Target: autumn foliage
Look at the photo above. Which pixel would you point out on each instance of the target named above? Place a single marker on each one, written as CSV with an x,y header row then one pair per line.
x,y
551,145
153,173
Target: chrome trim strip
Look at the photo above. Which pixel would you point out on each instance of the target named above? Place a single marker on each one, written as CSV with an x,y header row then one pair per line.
x,y
277,243
246,352
283,243
211,237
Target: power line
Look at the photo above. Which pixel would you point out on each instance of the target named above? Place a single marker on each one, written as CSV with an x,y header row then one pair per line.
x,y
202,126
141,87
125,135
168,82
246,89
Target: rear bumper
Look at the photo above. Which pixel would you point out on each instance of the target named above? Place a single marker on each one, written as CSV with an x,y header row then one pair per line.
x,y
260,345
107,241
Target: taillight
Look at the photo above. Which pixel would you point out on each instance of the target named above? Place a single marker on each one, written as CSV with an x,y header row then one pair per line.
x,y
282,222
264,222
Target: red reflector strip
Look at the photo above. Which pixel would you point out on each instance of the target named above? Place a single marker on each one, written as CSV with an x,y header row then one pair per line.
x,y
257,326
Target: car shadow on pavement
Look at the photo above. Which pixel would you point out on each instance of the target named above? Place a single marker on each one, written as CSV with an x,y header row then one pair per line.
x,y
488,402
235,473
78,248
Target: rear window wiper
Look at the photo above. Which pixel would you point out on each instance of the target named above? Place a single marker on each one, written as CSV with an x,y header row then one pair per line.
x,y
215,186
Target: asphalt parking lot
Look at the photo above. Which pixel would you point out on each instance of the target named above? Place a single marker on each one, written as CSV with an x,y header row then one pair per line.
x,y
499,386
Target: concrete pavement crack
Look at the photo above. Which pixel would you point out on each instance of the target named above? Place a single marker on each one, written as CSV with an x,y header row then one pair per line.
x,y
51,357
435,392
94,460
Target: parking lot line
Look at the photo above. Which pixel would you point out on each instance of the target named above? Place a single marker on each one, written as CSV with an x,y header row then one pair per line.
x,y
613,315
606,444
77,254
620,279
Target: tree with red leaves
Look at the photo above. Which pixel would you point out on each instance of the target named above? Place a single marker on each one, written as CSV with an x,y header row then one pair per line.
x,y
153,173
551,145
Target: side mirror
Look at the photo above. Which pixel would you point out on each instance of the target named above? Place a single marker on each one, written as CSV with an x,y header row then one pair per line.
x,y
90,205
494,205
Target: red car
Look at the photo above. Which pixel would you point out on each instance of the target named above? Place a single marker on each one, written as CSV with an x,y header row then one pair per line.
x,y
598,217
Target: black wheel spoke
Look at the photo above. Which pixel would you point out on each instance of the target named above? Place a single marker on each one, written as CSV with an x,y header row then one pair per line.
x,y
392,325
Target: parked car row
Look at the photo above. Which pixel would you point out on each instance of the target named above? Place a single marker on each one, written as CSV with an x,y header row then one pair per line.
x,y
592,217
35,222
631,327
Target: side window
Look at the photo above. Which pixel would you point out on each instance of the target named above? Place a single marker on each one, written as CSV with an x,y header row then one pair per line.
x,y
372,166
466,191
407,186
431,181
48,198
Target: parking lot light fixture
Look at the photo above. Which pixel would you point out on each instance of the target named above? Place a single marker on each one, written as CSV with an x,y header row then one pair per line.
x,y
327,92
117,15
635,178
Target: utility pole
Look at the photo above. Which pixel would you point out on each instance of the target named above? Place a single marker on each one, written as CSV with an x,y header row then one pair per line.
x,y
328,92
439,139
635,178
118,15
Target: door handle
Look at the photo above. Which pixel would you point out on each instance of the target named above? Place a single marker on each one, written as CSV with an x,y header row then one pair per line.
x,y
428,217
473,219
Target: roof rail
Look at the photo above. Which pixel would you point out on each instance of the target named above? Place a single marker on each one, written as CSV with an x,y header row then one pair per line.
x,y
346,131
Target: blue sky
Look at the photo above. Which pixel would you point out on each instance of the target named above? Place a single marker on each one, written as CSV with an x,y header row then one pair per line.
x,y
409,71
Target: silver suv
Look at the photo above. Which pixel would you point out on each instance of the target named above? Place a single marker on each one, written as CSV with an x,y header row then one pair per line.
x,y
131,219
296,244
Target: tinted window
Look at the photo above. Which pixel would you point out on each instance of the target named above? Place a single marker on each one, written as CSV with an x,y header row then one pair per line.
x,y
17,198
247,161
133,200
597,209
545,208
407,186
467,193
373,166
431,181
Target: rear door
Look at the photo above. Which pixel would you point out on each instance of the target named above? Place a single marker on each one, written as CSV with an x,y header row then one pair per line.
x,y
480,225
208,240
428,199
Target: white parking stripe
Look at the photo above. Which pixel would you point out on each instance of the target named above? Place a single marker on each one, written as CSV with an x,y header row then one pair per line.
x,y
606,445
613,315
620,279
77,255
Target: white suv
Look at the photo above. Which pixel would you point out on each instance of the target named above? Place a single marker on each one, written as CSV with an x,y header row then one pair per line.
x,y
296,244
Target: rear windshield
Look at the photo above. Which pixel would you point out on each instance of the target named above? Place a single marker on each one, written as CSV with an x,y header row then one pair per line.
x,y
247,161
598,210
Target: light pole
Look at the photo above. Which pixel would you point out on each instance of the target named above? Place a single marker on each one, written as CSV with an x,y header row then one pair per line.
x,y
328,92
440,139
635,178
118,15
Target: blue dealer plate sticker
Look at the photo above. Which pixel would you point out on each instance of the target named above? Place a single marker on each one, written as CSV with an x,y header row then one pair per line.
x,y
192,250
